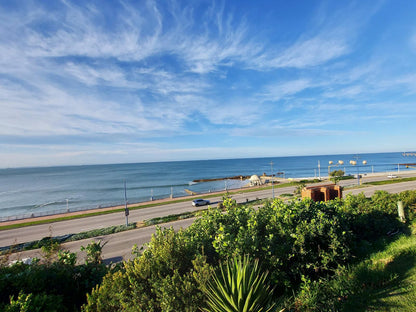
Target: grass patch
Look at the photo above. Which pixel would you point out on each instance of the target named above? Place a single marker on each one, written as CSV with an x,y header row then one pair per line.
x,y
100,232
384,281
392,181
172,217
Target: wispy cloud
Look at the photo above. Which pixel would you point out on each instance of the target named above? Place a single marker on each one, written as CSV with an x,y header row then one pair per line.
x,y
309,52
108,73
277,91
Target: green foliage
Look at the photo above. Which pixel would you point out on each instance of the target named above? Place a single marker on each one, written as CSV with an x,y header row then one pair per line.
x,y
300,186
40,284
239,286
165,277
385,281
336,175
101,232
295,239
371,218
94,250
50,250
303,245
66,257
34,303
170,218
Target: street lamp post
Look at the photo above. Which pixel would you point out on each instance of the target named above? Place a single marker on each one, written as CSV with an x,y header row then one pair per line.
x,y
319,169
354,163
331,164
271,165
126,209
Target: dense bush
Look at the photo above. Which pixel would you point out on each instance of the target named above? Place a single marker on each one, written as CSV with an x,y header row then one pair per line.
x,y
301,243
164,278
53,284
295,239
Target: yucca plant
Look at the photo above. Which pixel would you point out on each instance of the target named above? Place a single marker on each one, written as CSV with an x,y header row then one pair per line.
x,y
239,286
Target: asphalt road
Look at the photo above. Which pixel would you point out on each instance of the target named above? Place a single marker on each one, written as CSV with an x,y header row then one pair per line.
x,y
37,232
118,246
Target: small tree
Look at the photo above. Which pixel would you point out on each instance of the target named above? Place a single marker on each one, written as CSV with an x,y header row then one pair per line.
x,y
94,251
50,249
336,175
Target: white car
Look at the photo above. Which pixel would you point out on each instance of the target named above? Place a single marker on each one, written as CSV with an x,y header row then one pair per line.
x,y
392,176
200,202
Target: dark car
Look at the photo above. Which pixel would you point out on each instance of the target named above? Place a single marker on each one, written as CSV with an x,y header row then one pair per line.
x,y
200,202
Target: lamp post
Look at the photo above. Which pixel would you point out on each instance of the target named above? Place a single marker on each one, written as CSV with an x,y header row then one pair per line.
x,y
271,165
319,169
126,210
354,163
331,164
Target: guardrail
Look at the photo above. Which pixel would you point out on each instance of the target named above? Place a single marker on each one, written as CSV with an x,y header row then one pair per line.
x,y
43,214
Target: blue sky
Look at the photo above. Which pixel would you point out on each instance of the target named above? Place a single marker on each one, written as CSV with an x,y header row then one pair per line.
x,y
84,82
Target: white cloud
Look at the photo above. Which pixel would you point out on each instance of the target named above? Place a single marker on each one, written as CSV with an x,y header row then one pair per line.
x,y
162,68
280,90
310,52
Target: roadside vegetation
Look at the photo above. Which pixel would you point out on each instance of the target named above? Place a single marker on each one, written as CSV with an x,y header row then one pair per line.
x,y
344,255
308,251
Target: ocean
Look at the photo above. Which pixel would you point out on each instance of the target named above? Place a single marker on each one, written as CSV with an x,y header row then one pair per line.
x,y
40,191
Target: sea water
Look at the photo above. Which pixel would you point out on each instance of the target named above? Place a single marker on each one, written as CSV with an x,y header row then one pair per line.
x,y
38,191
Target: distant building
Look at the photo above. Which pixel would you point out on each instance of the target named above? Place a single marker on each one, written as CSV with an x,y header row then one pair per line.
x,y
255,180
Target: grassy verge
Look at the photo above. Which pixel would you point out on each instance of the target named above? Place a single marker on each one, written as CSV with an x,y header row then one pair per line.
x,y
384,281
392,181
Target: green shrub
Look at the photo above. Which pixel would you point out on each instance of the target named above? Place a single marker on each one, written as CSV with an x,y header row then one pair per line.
x,y
165,277
34,303
94,250
239,286
66,284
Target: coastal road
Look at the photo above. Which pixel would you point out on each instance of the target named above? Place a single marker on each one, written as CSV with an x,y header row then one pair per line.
x,y
37,232
391,188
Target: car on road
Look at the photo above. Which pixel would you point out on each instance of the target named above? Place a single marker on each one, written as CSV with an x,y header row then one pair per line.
x,y
392,176
200,202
